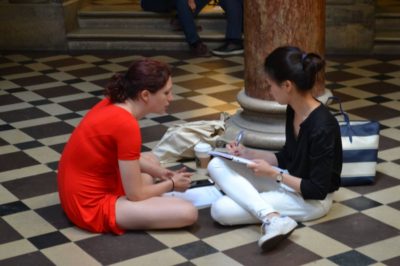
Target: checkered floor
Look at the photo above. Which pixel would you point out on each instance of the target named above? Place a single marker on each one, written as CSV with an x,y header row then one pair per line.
x,y
44,96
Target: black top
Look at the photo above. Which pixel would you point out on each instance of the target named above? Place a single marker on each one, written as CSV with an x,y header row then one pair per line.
x,y
316,155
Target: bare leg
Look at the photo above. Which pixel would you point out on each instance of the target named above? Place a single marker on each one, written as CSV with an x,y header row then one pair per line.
x,y
155,213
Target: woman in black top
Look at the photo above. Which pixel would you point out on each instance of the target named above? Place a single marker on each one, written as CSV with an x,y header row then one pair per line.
x,y
312,158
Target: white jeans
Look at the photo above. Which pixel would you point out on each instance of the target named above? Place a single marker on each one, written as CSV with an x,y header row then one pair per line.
x,y
249,198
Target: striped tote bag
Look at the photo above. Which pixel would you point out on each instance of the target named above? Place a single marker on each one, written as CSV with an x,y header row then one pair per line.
x,y
360,141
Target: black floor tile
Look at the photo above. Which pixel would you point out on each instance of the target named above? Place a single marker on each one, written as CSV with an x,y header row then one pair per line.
x,y
199,83
378,87
14,70
12,207
183,106
32,186
48,130
352,258
15,160
165,119
8,234
22,114
35,80
81,104
392,262
35,258
383,68
28,145
55,216
356,230
377,112
108,249
153,133
285,253
361,203
48,240
9,99
195,249
57,91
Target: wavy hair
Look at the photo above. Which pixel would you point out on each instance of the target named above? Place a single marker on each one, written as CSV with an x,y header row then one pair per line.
x,y
142,74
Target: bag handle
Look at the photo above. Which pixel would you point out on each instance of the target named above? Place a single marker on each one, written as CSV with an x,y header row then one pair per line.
x,y
345,116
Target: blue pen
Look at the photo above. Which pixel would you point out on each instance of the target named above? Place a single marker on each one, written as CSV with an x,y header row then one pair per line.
x,y
239,137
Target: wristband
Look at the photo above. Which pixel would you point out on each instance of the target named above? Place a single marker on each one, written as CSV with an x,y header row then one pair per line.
x,y
173,184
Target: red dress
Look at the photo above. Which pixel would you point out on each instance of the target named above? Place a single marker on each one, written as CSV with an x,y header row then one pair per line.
x,y
89,181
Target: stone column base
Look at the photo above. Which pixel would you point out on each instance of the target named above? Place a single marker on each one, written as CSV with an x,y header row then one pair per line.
x,y
263,122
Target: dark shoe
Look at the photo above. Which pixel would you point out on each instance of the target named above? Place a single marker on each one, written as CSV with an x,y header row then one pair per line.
x,y
229,48
200,49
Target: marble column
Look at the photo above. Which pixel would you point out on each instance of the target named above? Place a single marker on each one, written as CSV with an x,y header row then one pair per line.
x,y
269,24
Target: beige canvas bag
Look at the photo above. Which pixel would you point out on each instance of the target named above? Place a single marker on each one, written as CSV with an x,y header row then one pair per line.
x,y
179,140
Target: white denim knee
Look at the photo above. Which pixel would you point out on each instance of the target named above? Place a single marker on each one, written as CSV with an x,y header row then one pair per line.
x,y
227,212
218,211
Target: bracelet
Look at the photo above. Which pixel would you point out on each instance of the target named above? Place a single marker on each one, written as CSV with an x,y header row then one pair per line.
x,y
173,184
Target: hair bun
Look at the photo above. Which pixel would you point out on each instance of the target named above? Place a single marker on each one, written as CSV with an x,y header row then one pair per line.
x,y
312,63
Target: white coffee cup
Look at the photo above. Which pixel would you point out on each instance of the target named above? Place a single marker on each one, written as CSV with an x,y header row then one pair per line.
x,y
202,157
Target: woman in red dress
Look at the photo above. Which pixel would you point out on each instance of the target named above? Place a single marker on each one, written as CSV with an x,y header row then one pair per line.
x,y
105,183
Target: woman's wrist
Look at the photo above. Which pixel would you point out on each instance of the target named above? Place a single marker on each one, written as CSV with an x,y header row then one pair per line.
x,y
173,184
279,177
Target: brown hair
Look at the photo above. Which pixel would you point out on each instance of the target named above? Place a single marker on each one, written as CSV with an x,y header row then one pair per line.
x,y
142,74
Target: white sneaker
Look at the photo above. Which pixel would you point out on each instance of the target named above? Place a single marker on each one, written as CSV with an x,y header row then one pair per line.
x,y
275,230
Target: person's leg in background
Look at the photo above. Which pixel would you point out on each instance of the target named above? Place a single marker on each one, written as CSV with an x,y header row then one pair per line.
x,y
187,20
159,6
234,28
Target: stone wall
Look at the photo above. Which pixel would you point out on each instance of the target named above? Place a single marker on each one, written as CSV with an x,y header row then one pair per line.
x,y
350,26
36,24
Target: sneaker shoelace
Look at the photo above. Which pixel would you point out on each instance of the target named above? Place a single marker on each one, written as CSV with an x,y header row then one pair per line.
x,y
264,225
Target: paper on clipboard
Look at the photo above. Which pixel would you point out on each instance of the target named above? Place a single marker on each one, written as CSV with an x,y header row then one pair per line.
x,y
230,157
246,161
201,197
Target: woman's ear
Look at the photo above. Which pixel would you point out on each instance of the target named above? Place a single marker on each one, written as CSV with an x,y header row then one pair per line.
x,y
144,95
287,85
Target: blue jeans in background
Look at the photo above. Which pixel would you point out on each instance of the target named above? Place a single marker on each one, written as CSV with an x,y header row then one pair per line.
x,y
234,19
184,13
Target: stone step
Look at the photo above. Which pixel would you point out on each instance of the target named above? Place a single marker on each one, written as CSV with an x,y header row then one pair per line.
x,y
387,42
143,20
136,39
103,28
387,27
387,21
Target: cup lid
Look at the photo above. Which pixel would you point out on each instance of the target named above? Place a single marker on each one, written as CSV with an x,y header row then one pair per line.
x,y
202,147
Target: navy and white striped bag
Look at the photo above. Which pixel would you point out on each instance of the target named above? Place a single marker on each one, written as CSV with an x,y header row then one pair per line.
x,y
360,141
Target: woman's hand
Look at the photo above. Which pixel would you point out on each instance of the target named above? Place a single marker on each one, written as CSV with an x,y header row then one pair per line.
x,y
192,5
236,149
262,168
168,174
181,181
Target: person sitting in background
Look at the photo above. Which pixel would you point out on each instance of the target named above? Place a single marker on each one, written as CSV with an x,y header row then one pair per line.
x,y
234,28
187,11
105,183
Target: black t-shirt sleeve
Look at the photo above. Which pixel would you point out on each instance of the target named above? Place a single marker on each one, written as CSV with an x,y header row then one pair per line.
x,y
322,156
281,158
